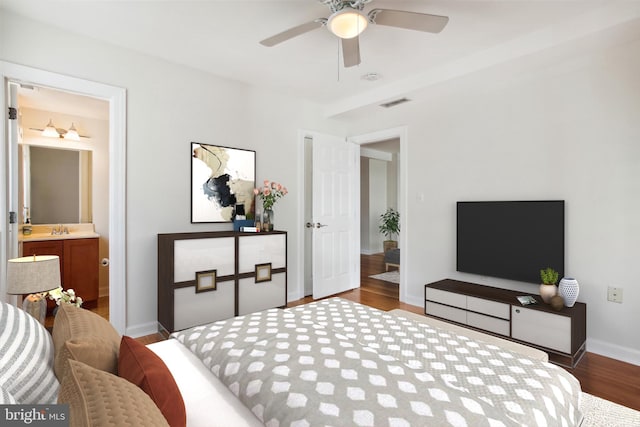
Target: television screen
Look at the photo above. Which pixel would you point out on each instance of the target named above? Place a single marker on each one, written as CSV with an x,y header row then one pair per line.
x,y
510,239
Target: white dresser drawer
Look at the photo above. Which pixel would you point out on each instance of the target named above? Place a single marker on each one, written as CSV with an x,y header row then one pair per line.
x,y
446,312
448,298
490,308
541,328
488,323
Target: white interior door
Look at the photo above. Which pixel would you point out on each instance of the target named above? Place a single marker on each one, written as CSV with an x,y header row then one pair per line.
x,y
335,209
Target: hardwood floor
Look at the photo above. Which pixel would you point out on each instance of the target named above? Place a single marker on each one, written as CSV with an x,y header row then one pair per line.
x,y
598,375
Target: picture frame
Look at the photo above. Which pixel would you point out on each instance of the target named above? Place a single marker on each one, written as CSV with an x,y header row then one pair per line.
x,y
222,178
263,272
206,281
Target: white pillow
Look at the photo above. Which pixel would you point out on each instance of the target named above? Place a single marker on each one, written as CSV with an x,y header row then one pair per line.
x,y
26,358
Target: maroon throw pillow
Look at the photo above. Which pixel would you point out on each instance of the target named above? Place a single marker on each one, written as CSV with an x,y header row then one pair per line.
x,y
145,369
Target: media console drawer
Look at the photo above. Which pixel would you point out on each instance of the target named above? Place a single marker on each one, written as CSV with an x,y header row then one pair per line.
x,y
488,323
448,298
488,307
446,312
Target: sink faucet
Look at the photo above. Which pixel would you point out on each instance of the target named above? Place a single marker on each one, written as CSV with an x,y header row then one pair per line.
x,y
59,229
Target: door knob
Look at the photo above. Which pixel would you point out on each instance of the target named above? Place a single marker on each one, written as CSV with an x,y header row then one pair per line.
x,y
316,225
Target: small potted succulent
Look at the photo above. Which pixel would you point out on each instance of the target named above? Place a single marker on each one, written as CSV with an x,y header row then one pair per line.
x,y
548,288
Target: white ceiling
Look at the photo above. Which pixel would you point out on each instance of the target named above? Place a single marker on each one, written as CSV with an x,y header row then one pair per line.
x,y
221,37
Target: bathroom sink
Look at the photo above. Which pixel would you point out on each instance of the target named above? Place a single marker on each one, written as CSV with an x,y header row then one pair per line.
x,y
75,231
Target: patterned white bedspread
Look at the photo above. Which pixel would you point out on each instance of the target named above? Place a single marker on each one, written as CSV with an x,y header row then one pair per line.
x,y
338,363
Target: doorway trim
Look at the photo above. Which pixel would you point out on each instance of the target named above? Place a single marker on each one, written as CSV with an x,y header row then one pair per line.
x,y
401,133
117,172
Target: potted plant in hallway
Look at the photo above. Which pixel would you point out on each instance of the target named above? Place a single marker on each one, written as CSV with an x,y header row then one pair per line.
x,y
390,226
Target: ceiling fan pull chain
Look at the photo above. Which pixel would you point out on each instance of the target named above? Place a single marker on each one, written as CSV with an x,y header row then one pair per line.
x,y
338,59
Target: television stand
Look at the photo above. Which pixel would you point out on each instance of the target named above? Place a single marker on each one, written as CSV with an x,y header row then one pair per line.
x,y
561,334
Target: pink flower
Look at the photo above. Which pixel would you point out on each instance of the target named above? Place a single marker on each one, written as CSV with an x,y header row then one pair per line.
x,y
274,185
284,191
256,191
266,182
266,191
279,187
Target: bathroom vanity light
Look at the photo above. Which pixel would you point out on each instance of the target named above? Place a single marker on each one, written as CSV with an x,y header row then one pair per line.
x,y
52,131
72,133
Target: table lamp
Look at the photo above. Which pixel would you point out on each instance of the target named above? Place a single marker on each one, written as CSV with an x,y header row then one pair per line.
x,y
33,275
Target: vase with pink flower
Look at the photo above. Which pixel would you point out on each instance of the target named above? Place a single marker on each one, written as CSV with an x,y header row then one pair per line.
x,y
269,193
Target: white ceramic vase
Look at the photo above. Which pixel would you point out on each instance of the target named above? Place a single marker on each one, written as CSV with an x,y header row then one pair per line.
x,y
569,290
547,292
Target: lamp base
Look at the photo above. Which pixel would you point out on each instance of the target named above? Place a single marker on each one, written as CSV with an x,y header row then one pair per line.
x,y
36,305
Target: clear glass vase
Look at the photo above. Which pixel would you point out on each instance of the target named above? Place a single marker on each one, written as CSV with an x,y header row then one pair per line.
x,y
267,220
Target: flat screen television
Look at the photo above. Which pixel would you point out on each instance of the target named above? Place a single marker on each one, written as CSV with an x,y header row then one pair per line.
x,y
510,239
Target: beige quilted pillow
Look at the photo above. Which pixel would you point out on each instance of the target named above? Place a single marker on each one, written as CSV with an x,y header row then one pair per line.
x,y
99,399
94,352
93,340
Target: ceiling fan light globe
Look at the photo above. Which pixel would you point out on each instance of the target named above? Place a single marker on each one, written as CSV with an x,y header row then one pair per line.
x,y
347,23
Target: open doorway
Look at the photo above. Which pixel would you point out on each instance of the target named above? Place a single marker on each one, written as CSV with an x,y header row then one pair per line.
x,y
13,75
379,193
63,178
399,134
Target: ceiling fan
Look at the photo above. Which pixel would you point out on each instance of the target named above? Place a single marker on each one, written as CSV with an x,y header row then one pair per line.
x,y
348,21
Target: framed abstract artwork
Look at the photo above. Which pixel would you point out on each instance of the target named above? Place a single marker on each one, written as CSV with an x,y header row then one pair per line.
x,y
222,179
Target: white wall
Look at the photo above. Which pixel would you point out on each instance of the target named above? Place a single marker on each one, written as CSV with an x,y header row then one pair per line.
x,y
168,106
569,130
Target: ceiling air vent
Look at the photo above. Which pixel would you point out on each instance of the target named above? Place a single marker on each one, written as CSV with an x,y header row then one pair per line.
x,y
395,102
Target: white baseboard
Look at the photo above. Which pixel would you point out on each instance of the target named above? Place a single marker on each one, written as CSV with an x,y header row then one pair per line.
x,y
142,330
613,351
368,252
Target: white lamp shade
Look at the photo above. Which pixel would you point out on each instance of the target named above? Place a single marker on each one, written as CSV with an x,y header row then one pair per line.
x,y
50,130
72,133
347,23
33,274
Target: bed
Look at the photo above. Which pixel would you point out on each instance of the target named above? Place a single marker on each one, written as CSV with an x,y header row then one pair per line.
x,y
335,362
331,362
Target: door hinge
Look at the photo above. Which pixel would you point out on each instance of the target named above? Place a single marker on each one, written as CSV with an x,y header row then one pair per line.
x,y
13,218
13,113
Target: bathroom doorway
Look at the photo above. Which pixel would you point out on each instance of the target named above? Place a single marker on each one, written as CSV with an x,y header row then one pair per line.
x,y
14,76
64,179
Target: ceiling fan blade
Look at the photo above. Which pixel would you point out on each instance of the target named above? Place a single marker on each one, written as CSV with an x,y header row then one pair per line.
x,y
293,32
351,51
409,20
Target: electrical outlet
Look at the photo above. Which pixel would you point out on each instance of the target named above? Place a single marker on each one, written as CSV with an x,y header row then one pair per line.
x,y
614,294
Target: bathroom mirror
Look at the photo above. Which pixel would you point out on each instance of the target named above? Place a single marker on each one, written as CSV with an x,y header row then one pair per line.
x,y
55,185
